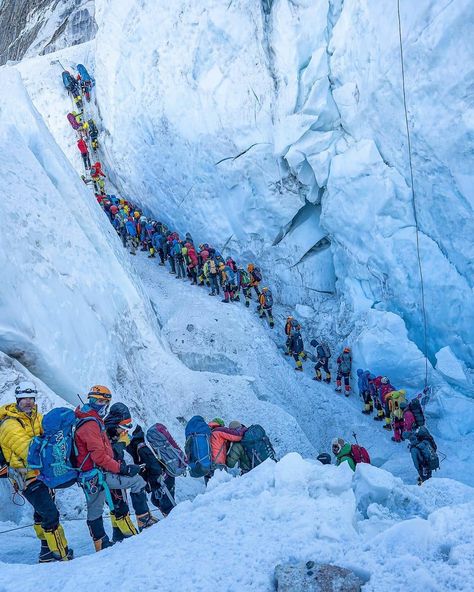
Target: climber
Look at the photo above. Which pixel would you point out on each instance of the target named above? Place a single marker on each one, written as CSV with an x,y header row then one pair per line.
x,y
211,273
423,451
226,276
93,134
342,450
203,256
84,153
193,263
364,380
344,367
157,240
409,419
100,471
177,252
290,326
221,438
323,353
131,235
96,174
245,284
159,483
118,425
394,400
236,454
19,423
297,348
265,305
384,388
255,277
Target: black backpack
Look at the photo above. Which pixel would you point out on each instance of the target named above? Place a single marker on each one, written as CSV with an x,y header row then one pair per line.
x,y
257,445
417,410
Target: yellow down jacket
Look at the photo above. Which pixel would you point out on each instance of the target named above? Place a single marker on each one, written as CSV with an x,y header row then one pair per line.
x,y
16,431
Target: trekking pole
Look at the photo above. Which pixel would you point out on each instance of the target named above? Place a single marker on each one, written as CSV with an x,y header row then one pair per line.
x,y
354,435
80,399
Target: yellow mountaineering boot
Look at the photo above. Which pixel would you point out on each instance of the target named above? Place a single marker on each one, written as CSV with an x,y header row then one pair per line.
x,y
126,526
57,543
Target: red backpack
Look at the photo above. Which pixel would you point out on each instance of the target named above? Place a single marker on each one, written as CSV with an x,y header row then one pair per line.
x,y
359,454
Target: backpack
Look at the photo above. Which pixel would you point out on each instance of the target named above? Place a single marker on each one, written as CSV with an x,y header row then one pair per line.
x,y
52,453
430,457
325,347
68,80
417,410
268,299
257,445
86,77
359,454
257,274
244,278
198,446
73,121
166,450
212,267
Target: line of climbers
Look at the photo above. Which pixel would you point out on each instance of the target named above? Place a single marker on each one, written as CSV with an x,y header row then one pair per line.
x,y
206,266
40,454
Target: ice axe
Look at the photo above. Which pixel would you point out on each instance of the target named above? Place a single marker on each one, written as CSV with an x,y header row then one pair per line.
x,y
354,435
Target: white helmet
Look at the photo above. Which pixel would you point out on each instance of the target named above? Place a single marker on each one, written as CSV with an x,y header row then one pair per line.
x,y
385,380
26,389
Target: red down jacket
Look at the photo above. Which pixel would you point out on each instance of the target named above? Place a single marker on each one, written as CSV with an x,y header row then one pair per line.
x,y
91,439
221,439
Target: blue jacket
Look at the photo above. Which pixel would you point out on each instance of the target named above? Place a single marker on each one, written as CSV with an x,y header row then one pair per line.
x,y
131,228
363,380
157,240
176,248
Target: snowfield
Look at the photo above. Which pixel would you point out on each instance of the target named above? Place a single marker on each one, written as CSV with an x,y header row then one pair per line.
x,y
307,98
394,536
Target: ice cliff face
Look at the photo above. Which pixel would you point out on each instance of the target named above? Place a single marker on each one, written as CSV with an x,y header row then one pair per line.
x,y
32,27
277,129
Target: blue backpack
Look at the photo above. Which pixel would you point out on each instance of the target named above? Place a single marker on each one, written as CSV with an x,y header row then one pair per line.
x,y
86,77
198,446
68,80
52,453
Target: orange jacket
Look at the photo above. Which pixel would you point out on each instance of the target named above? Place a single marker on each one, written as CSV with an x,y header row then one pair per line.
x,y
221,438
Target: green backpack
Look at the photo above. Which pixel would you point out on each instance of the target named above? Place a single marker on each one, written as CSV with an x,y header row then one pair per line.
x,y
257,445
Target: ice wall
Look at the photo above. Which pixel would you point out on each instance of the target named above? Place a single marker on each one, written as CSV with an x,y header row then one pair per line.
x,y
303,102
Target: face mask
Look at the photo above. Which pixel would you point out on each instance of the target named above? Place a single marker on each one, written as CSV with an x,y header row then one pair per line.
x,y
103,410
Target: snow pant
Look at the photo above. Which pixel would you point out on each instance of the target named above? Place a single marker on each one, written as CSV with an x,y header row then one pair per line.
x,y
95,501
368,402
267,312
162,256
86,160
346,376
192,274
214,283
247,294
255,287
160,497
235,292
45,511
397,429
123,236
131,244
172,265
228,294
322,363
179,266
379,407
298,357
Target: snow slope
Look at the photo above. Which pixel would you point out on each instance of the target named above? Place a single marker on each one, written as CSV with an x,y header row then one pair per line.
x,y
393,536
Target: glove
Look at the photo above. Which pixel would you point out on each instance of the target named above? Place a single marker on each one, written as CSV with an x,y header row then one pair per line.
x,y
129,470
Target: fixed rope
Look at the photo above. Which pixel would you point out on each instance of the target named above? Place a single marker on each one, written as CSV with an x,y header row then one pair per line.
x,y
415,213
